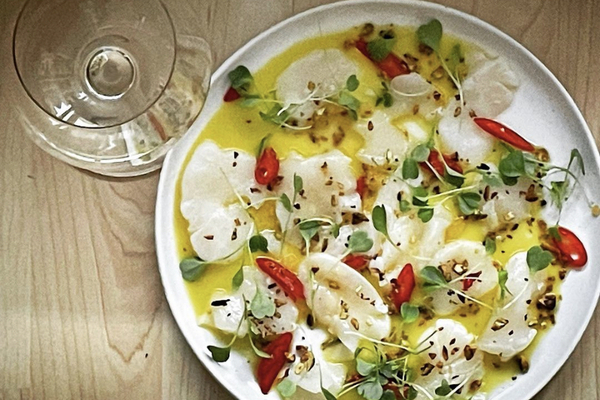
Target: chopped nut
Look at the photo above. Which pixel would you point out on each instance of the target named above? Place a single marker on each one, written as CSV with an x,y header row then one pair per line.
x,y
426,369
547,302
499,324
523,364
469,352
438,73
355,323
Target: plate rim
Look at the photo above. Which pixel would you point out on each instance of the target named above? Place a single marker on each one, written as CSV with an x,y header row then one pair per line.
x,y
176,157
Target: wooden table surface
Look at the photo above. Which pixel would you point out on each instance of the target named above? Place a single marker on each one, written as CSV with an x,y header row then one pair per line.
x,y
82,309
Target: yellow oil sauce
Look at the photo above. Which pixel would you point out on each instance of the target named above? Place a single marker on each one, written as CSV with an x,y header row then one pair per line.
x,y
233,126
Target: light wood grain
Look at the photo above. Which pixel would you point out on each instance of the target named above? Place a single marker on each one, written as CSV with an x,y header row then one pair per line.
x,y
82,311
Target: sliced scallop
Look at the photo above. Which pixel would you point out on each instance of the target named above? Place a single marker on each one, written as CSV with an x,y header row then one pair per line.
x,y
227,309
508,332
329,188
311,368
448,353
343,301
214,183
320,74
468,269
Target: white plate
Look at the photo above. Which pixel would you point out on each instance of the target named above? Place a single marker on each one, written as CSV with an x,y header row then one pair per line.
x,y
542,111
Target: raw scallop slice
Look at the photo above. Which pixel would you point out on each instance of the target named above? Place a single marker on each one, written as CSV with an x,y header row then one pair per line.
x,y
448,354
211,184
227,309
463,262
316,371
329,188
343,301
490,85
320,74
508,332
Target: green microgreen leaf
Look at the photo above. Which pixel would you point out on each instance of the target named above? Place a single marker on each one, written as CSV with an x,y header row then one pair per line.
x,y
419,197
275,115
256,350
262,305
219,354
454,57
240,78
490,245
308,229
420,153
444,389
432,277
237,279
468,202
538,258
285,201
453,177
262,145
258,243
286,388
410,169
553,231
430,34
327,394
491,179
388,395
502,279
191,268
364,368
352,83
425,214
513,165
359,242
370,390
298,183
409,312
350,102
412,393
379,217
250,101
576,156
380,48
404,205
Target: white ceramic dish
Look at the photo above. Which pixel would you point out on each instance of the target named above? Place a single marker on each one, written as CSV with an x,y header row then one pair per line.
x,y
542,110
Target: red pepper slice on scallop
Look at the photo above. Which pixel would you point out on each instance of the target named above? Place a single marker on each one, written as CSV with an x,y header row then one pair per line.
x,y
570,249
267,167
286,279
356,261
391,65
268,368
403,286
435,160
504,133
231,95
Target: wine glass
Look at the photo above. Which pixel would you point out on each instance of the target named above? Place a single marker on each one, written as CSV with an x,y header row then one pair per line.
x,y
108,85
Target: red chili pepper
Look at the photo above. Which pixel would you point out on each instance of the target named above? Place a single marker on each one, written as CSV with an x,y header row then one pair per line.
x,y
471,278
267,167
570,249
504,133
391,65
436,162
356,261
361,186
403,287
231,95
286,279
268,368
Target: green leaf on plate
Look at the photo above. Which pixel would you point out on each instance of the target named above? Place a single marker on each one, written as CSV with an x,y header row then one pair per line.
x,y
219,354
430,34
538,258
192,268
258,243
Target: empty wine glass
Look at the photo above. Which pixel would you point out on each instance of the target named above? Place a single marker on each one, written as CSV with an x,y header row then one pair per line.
x,y
108,85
